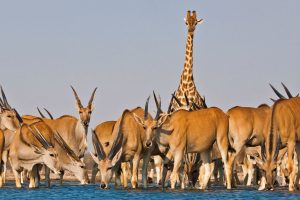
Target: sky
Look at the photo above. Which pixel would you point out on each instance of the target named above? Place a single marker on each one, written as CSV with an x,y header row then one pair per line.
x,y
129,48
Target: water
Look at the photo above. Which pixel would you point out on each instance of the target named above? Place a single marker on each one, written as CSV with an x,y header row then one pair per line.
x,y
75,191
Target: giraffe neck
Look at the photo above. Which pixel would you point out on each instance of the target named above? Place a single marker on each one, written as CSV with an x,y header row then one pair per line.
x,y
187,74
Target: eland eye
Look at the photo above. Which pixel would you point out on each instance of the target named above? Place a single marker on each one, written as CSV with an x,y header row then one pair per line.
x,y
51,154
81,166
9,116
109,168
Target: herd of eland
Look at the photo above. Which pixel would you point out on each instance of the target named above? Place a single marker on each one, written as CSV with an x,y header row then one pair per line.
x,y
190,145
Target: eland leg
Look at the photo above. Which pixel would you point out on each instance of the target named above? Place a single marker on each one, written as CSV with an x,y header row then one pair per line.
x,y
135,168
290,165
178,157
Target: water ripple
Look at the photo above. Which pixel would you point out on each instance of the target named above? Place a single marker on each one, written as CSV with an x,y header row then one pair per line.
x,y
73,191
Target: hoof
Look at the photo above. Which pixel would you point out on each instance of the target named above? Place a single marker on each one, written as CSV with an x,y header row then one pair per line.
x,y
291,188
149,180
261,188
159,183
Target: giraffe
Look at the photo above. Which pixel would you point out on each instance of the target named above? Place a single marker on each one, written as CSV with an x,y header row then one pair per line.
x,y
187,85
187,92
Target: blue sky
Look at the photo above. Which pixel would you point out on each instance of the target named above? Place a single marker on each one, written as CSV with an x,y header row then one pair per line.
x,y
128,48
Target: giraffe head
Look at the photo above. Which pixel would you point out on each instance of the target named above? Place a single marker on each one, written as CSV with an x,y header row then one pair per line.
x,y
191,20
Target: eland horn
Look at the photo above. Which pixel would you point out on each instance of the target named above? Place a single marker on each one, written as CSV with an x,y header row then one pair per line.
x,y
43,138
119,139
158,105
18,116
92,98
177,100
65,146
39,138
41,114
276,92
170,105
50,115
97,146
6,104
287,91
186,99
146,109
278,143
263,151
77,98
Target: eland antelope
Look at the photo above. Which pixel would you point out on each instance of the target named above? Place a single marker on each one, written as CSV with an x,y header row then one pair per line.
x,y
9,123
130,143
104,135
73,130
283,129
67,159
191,132
32,145
247,128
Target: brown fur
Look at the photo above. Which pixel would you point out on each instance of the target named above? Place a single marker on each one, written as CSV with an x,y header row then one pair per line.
x,y
25,148
130,149
284,123
194,132
104,134
246,128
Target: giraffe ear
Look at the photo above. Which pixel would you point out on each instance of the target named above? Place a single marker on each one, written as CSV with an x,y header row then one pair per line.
x,y
200,21
186,23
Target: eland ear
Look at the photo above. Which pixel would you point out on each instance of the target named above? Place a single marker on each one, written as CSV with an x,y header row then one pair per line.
x,y
138,120
162,120
92,106
117,157
36,149
77,107
164,124
257,159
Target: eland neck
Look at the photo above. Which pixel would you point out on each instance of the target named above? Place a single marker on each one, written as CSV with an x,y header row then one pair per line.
x,y
81,137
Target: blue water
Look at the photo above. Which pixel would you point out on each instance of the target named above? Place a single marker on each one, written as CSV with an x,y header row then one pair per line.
x,y
74,191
